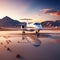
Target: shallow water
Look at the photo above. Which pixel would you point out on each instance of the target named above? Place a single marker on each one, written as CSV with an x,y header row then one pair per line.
x,y
30,47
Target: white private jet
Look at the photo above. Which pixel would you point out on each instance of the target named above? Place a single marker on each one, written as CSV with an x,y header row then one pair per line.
x,y
33,27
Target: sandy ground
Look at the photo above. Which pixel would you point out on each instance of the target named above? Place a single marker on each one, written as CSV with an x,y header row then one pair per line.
x,y
17,46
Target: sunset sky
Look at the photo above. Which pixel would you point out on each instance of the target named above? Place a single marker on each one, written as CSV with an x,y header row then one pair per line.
x,y
37,10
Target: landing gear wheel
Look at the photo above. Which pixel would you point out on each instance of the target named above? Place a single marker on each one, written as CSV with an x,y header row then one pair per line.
x,y
23,32
36,32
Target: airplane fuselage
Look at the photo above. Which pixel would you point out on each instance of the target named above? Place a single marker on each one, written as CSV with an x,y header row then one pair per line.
x,y
33,27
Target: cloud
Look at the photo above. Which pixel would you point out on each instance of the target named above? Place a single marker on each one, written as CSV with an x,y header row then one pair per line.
x,y
50,11
54,13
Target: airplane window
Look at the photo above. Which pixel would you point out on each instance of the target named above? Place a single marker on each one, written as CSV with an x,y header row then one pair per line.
x,y
36,23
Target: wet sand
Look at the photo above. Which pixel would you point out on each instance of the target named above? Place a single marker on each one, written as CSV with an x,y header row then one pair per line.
x,y
16,46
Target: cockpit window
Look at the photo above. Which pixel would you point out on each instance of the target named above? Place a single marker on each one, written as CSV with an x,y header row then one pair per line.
x,y
36,23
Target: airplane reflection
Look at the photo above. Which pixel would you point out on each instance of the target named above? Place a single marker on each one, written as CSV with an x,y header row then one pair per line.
x,y
33,39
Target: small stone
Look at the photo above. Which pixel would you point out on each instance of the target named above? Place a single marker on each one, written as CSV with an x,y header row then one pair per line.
x,y
18,56
5,46
1,43
8,49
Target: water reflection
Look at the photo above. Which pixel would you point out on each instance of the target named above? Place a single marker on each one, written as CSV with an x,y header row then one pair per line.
x,y
33,39
23,47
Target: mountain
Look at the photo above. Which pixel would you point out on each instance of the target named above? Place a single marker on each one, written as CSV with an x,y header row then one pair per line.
x,y
51,23
8,22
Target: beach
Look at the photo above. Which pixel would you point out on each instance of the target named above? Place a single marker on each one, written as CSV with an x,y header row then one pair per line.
x,y
17,46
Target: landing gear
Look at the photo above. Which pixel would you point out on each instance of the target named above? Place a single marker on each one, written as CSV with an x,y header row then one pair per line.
x,y
37,33
23,30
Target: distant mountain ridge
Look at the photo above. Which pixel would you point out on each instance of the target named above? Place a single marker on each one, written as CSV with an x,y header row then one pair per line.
x,y
51,23
8,22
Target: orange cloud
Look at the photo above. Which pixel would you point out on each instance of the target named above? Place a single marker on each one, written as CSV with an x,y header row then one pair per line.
x,y
50,11
57,13
54,13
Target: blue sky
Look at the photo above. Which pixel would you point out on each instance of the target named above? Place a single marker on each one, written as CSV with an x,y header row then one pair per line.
x,y
38,10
